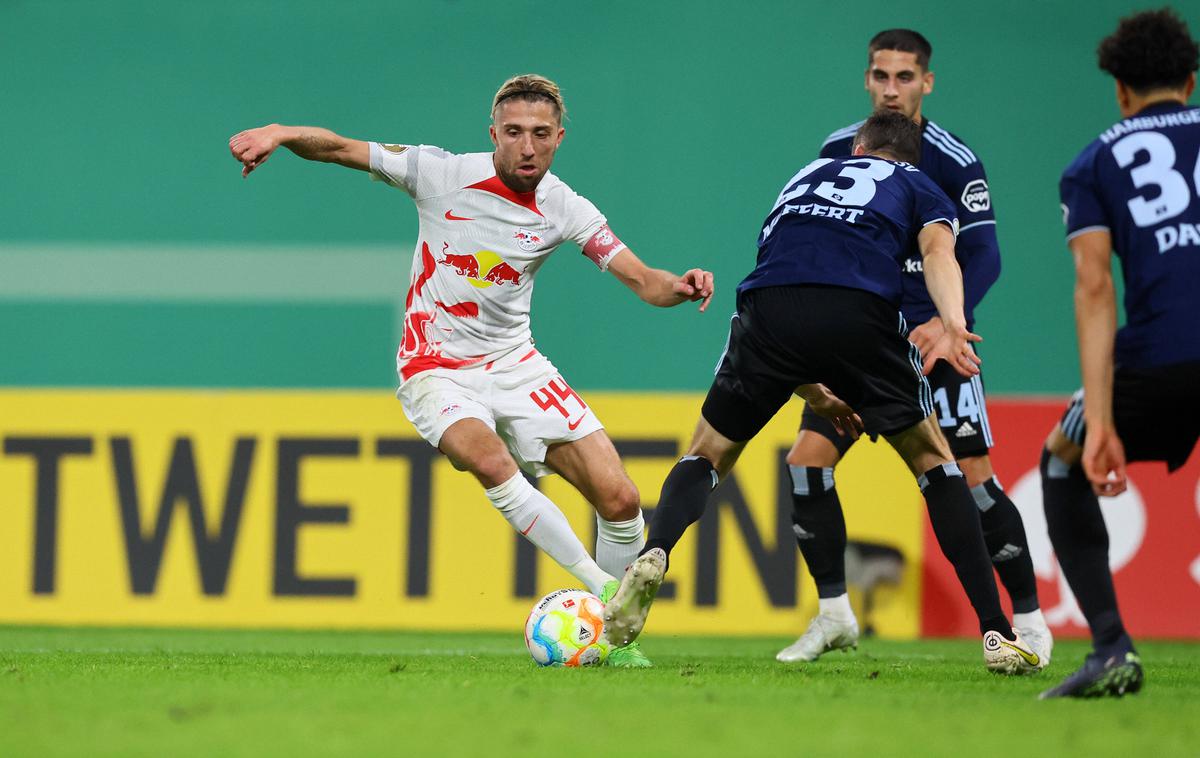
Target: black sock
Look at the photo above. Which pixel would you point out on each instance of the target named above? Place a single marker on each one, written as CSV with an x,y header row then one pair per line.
x,y
955,520
1080,541
820,528
681,503
1004,535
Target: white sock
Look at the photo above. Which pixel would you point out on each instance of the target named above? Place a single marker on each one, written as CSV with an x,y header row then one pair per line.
x,y
836,607
592,576
541,522
619,542
1033,618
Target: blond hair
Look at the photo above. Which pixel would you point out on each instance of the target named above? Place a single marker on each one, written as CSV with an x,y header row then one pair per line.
x,y
531,88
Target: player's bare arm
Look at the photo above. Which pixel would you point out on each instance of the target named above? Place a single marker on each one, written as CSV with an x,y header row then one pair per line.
x,y
1096,327
943,278
926,335
253,146
662,288
828,405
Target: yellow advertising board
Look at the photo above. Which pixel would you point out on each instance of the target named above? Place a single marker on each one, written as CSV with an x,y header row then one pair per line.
x,y
324,509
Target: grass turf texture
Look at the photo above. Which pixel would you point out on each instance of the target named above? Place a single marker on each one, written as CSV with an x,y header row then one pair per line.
x,y
185,692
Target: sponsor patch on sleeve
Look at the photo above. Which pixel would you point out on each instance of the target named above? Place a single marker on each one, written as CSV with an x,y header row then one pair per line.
x,y
975,196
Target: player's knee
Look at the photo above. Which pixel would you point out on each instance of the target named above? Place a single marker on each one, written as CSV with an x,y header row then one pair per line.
x,y
1053,466
621,503
709,452
813,450
808,458
492,466
1062,447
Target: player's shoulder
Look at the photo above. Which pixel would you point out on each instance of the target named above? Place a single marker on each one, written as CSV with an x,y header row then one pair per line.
x,y
440,154
1084,163
840,139
553,191
556,198
915,176
1157,117
948,146
483,160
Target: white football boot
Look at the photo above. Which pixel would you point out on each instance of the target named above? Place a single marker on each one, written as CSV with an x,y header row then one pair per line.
x,y
1014,657
625,614
824,633
1033,629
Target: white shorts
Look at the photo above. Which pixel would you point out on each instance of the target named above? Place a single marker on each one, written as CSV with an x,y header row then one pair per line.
x,y
521,396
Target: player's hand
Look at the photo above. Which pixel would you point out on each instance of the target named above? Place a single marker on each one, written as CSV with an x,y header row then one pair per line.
x,y
695,284
829,406
926,335
954,347
1104,461
252,147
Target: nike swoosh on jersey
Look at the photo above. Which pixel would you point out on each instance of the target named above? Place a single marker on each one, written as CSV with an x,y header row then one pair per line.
x,y
575,425
451,217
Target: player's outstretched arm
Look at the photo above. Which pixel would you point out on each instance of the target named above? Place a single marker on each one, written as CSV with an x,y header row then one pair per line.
x,y
1096,327
659,287
925,336
252,147
943,278
829,406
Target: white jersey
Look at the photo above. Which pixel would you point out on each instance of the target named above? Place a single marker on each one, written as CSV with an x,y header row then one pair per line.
x,y
479,247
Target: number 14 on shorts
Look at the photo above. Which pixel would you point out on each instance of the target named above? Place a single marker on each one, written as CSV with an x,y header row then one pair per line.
x,y
968,405
555,396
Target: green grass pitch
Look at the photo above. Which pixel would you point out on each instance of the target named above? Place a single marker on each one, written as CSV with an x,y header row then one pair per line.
x,y
253,693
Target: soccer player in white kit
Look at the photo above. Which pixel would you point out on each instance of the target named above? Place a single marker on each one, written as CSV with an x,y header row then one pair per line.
x,y
471,381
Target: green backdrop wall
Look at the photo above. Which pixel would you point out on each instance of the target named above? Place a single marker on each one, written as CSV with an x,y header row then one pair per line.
x,y
132,253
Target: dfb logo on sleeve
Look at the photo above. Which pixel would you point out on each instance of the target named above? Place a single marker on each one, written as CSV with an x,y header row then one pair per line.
x,y
975,196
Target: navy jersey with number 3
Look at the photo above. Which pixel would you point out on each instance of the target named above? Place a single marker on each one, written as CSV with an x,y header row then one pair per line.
x,y
954,167
849,222
1140,181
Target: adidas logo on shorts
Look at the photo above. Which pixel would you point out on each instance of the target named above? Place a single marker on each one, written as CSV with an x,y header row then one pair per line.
x,y
966,430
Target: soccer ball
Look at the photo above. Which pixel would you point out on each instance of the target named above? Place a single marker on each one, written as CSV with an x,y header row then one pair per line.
x,y
565,628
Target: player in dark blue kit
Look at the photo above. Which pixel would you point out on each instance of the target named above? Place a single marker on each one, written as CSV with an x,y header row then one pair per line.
x,y
818,315
897,79
1135,190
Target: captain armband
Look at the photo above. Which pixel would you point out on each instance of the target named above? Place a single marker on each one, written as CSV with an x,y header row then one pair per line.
x,y
602,246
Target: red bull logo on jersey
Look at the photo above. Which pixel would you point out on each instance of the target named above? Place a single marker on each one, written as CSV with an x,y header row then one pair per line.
x,y
527,240
502,273
482,269
463,265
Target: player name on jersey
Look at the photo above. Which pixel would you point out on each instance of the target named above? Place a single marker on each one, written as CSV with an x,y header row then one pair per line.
x,y
1180,235
849,215
1155,121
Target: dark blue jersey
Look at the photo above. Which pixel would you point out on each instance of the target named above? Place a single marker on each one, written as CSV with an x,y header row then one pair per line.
x,y
850,222
952,166
1140,181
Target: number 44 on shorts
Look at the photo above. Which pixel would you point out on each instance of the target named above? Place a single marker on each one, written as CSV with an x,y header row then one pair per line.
x,y
555,395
